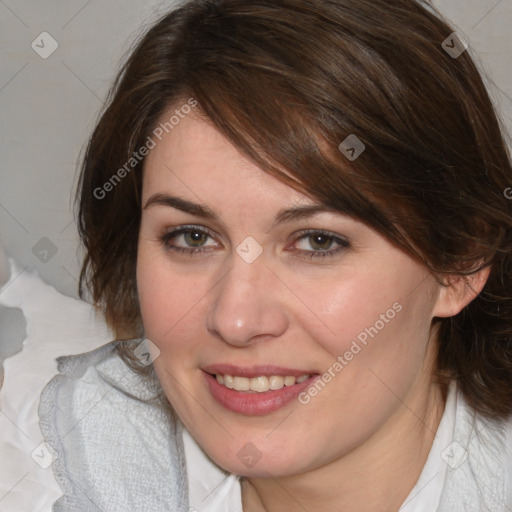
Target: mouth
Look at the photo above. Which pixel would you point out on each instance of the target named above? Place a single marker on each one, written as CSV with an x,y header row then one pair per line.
x,y
256,391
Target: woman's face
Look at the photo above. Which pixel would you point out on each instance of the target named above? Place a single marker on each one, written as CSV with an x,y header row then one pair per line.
x,y
238,275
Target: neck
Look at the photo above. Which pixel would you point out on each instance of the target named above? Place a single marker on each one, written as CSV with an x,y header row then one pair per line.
x,y
375,477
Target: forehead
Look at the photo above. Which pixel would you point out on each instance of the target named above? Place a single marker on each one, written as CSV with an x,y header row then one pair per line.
x,y
195,159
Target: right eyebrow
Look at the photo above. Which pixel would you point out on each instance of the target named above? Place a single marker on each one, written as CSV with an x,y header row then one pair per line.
x,y
198,210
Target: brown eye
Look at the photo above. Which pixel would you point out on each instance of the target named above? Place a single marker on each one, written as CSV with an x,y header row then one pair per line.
x,y
195,238
188,239
320,244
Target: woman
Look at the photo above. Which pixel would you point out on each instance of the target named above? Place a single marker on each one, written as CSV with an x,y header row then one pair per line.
x,y
300,206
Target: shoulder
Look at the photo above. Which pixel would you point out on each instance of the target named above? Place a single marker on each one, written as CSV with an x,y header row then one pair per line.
x,y
478,462
112,437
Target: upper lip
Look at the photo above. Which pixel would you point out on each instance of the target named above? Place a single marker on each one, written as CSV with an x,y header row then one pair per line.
x,y
254,371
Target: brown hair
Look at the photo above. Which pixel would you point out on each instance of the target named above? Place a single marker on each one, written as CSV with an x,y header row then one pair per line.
x,y
286,81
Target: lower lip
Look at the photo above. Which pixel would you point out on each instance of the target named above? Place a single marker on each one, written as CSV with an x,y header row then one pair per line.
x,y
255,404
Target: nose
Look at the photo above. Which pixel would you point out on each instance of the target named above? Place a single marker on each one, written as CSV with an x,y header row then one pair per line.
x,y
246,305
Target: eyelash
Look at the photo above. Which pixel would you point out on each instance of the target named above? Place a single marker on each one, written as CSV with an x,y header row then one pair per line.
x,y
167,237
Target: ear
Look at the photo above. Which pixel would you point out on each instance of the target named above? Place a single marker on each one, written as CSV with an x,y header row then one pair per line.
x,y
458,291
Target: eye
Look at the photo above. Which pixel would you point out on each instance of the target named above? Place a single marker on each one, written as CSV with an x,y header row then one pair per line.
x,y
315,243
188,240
192,240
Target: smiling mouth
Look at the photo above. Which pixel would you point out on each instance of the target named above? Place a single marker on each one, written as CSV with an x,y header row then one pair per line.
x,y
259,392
259,384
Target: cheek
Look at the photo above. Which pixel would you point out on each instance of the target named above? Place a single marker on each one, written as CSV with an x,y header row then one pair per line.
x,y
375,333
163,294
172,305
153,295
350,308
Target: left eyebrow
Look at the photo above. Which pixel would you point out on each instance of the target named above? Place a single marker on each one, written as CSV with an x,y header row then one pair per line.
x,y
200,210
301,212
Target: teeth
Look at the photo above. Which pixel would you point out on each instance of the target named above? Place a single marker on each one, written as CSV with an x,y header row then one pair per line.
x,y
241,383
229,381
289,381
259,384
276,382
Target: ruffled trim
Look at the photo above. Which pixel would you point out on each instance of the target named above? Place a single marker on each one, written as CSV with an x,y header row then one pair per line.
x,y
89,473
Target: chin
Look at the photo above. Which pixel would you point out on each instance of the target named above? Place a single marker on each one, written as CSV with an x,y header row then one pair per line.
x,y
249,461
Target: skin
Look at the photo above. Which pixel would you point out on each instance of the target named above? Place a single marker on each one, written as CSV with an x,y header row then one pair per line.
x,y
361,443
